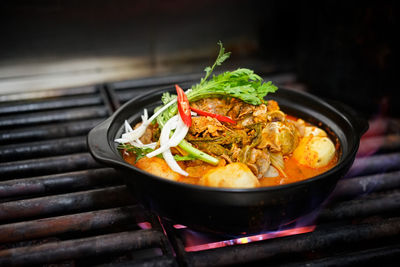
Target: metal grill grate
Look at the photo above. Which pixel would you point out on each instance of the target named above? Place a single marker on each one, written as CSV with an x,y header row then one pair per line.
x,y
59,207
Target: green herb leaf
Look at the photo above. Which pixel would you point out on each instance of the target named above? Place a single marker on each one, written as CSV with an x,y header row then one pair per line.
x,y
222,56
167,97
241,83
139,152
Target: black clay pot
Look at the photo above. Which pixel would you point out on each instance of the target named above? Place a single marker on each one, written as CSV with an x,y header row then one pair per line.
x,y
234,210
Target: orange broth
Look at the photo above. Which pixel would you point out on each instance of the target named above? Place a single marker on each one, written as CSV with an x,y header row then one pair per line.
x,y
296,172
293,170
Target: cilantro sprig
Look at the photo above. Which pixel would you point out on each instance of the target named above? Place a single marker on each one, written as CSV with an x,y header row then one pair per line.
x,y
241,83
141,152
222,56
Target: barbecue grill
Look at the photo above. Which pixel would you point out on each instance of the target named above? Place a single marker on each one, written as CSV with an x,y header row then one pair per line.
x,y
61,208
66,66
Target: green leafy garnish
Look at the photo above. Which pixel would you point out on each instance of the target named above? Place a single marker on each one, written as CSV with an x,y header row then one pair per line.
x,y
139,152
222,56
167,97
241,83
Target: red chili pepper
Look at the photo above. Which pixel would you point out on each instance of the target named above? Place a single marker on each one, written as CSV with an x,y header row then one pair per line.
x,y
213,115
183,106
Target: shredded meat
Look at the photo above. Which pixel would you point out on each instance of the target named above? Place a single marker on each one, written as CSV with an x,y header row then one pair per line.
x,y
272,105
206,126
213,105
261,143
147,137
258,131
259,162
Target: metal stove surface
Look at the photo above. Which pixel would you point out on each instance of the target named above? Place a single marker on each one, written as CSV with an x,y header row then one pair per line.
x,y
58,207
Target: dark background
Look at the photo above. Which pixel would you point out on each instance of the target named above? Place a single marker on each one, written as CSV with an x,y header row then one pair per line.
x,y
338,49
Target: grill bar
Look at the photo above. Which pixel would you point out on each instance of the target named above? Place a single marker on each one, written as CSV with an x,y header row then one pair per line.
x,y
155,81
59,182
81,222
58,103
45,132
374,204
32,167
160,261
126,95
48,94
386,143
52,190
321,238
355,187
43,148
53,116
65,203
380,173
375,164
80,248
384,256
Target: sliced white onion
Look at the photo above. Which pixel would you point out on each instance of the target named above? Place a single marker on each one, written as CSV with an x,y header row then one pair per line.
x,y
167,155
132,136
136,143
139,131
161,110
145,115
165,132
169,159
139,144
180,133
182,129
164,135
271,172
135,134
166,143
277,160
278,163
128,127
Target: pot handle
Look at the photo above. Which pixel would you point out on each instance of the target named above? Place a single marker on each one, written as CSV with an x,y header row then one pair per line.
x,y
358,121
98,143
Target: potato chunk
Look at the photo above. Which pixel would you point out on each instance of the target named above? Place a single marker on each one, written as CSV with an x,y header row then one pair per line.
x,y
157,167
314,151
234,175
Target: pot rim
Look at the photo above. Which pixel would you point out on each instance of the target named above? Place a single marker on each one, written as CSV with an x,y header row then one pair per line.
x,y
119,162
